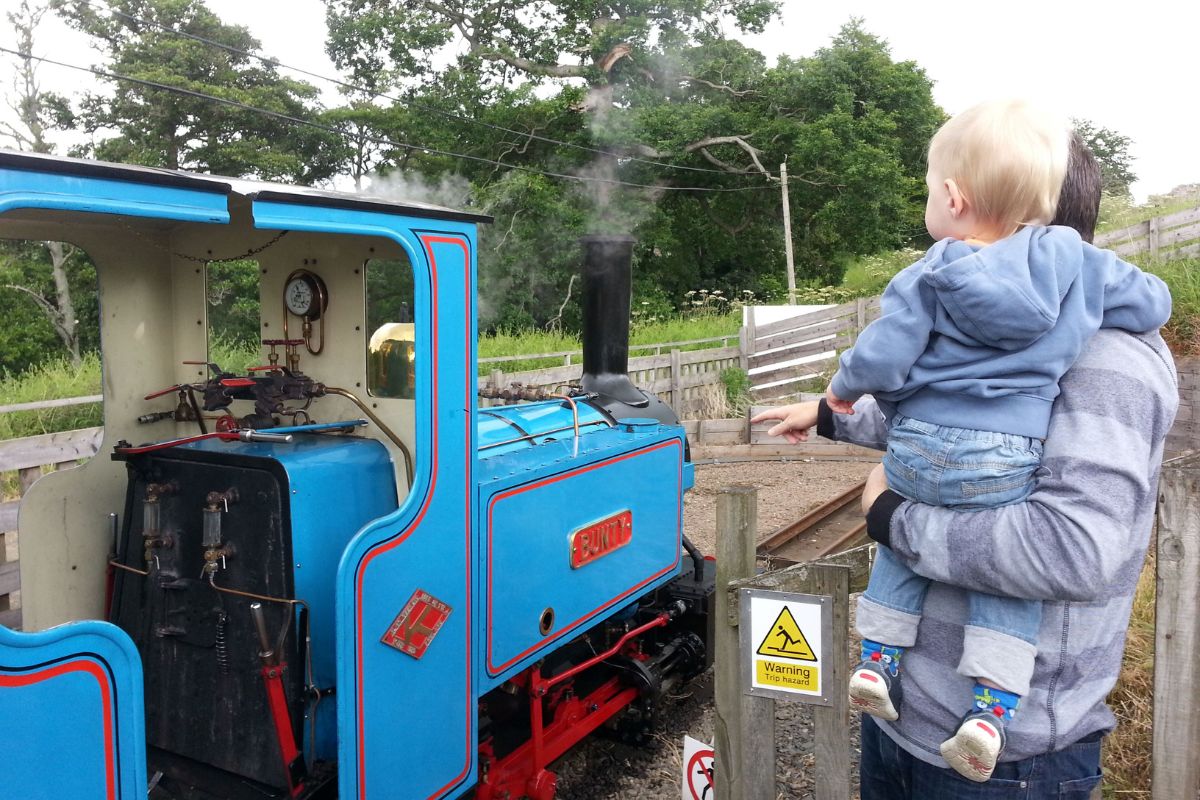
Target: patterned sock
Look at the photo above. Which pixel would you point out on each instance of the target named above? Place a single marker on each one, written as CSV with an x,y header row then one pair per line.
x,y
996,701
887,656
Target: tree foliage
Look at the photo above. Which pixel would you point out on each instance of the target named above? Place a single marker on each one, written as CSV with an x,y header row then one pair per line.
x,y
45,286
162,128
649,94
1112,152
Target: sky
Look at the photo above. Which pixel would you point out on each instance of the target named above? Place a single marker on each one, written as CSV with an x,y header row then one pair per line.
x,y
1129,68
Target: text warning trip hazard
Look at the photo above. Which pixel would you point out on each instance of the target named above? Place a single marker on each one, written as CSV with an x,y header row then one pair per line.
x,y
783,642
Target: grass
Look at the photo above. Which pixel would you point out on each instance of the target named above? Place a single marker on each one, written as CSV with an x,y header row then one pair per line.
x,y
868,276
51,381
673,329
1116,213
59,379
1183,277
1127,750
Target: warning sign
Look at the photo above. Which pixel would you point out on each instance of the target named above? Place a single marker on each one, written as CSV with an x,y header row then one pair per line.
x,y
782,636
785,639
697,770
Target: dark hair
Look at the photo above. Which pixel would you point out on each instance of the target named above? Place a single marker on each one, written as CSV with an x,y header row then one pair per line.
x,y
1079,200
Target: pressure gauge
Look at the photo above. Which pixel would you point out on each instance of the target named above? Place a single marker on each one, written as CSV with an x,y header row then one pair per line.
x,y
304,295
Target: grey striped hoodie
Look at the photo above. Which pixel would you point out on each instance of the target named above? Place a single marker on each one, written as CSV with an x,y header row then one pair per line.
x,y
1077,543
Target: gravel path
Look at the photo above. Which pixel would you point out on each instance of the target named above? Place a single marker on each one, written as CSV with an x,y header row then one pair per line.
x,y
606,770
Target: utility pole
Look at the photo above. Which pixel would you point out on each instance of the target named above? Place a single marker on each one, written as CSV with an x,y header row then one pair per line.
x,y
787,235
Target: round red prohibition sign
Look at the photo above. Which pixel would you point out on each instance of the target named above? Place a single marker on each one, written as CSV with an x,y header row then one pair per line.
x,y
700,774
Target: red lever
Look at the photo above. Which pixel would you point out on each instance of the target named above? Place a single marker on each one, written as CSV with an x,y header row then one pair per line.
x,y
237,383
260,369
168,390
284,342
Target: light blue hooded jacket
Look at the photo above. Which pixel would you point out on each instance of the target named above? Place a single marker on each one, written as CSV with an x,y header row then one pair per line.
x,y
978,337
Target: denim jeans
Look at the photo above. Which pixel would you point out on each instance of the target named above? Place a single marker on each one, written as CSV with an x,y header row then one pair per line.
x,y
966,470
888,772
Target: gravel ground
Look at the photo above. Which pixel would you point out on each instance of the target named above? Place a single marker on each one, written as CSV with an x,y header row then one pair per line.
x,y
606,770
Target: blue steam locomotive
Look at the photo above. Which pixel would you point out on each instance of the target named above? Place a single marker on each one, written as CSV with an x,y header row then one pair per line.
x,y
337,574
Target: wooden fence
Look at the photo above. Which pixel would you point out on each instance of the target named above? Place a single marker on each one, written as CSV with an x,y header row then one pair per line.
x,y
689,380
22,461
1169,236
783,358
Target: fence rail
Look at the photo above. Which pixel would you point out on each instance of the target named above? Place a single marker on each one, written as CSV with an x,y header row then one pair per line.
x,y
1169,236
568,355
785,356
690,380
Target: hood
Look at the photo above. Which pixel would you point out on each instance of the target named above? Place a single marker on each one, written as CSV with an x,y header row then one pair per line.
x,y
1006,294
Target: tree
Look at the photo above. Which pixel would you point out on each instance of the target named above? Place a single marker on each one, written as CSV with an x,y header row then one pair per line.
x,y
610,48
24,268
1112,152
158,127
662,100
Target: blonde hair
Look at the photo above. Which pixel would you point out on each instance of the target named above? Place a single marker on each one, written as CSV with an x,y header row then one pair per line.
x,y
1008,157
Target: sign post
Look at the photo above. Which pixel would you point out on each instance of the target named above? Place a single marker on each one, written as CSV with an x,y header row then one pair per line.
x,y
793,631
783,636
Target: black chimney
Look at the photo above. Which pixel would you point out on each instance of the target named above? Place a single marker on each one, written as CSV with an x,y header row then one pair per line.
x,y
607,289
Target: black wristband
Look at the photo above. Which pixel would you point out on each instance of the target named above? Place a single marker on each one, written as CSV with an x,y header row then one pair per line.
x,y
825,420
879,517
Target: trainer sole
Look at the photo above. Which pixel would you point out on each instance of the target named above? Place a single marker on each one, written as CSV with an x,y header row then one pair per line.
x,y
869,694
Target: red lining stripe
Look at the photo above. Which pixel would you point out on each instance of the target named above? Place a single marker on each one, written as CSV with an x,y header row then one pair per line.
x,y
93,669
428,242
492,669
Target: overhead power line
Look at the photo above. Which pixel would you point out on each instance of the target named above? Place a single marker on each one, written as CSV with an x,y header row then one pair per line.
x,y
377,139
411,103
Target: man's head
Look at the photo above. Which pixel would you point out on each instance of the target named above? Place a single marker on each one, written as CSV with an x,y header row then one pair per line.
x,y
993,168
1079,201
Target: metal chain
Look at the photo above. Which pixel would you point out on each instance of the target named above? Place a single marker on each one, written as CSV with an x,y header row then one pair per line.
x,y
253,251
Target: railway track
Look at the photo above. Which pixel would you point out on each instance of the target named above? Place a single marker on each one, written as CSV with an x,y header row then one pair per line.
x,y
832,527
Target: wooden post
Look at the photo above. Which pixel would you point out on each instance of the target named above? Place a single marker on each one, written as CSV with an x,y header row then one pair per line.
x,y
1153,225
27,476
744,726
5,600
831,724
787,235
676,380
860,306
1176,770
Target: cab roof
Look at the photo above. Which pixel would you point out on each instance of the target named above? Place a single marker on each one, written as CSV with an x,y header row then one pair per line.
x,y
216,184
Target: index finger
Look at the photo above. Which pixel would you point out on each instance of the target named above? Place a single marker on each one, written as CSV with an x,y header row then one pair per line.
x,y
770,413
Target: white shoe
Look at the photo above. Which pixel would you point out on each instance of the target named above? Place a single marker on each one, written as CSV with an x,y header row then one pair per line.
x,y
974,748
874,692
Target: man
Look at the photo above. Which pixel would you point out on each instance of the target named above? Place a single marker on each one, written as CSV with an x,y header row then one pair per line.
x,y
1077,544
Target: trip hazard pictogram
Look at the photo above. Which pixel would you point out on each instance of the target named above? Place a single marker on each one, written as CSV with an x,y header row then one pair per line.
x,y
786,640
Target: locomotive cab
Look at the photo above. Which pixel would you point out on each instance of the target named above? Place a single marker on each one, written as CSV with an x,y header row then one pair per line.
x,y
332,571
